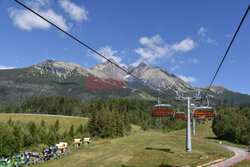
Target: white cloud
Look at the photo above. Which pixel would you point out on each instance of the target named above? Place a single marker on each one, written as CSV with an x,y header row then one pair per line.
x,y
75,12
210,41
37,3
155,48
202,31
184,46
55,18
124,51
174,68
5,67
204,38
187,79
26,20
108,52
151,42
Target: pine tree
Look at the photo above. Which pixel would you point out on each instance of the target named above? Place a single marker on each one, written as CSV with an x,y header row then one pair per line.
x,y
18,137
7,141
113,124
71,132
92,124
51,138
80,129
119,124
10,122
33,132
43,124
127,127
56,130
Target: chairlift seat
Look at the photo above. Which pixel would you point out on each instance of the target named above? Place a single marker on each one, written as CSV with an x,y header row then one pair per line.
x,y
163,110
180,115
204,112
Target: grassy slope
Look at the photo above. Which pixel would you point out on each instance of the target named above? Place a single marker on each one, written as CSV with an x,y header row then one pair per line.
x,y
142,149
204,131
65,122
243,164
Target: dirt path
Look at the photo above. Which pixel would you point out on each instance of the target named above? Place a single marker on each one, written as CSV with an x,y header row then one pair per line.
x,y
240,154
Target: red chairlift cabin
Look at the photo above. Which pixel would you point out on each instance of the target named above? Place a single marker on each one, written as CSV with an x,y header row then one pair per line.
x,y
180,115
184,119
163,110
204,112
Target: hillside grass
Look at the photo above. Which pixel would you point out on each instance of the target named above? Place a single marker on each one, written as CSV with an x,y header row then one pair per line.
x,y
143,148
65,121
243,164
205,132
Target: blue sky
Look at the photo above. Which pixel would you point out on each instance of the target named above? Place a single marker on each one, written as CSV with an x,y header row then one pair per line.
x,y
187,38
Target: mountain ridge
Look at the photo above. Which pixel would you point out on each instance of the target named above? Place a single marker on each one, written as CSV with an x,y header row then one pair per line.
x,y
69,79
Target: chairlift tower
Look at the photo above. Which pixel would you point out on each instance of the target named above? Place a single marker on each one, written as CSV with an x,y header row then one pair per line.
x,y
158,120
181,97
193,124
159,124
193,107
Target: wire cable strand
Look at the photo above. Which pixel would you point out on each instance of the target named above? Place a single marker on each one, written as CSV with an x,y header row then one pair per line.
x,y
242,20
99,54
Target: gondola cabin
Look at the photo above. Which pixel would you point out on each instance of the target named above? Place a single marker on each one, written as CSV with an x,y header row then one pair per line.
x,y
204,113
180,115
163,110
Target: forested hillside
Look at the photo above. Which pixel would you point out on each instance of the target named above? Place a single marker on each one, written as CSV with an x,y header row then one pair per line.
x,y
233,124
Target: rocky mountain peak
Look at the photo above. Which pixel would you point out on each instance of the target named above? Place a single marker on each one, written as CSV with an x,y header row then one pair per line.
x,y
142,64
60,69
109,70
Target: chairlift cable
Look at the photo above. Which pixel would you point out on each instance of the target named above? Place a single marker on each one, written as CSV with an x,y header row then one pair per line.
x,y
228,49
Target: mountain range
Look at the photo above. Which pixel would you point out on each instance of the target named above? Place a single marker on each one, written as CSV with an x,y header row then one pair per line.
x,y
52,78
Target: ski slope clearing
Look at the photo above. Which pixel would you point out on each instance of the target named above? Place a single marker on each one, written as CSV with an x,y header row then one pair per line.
x,y
143,148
